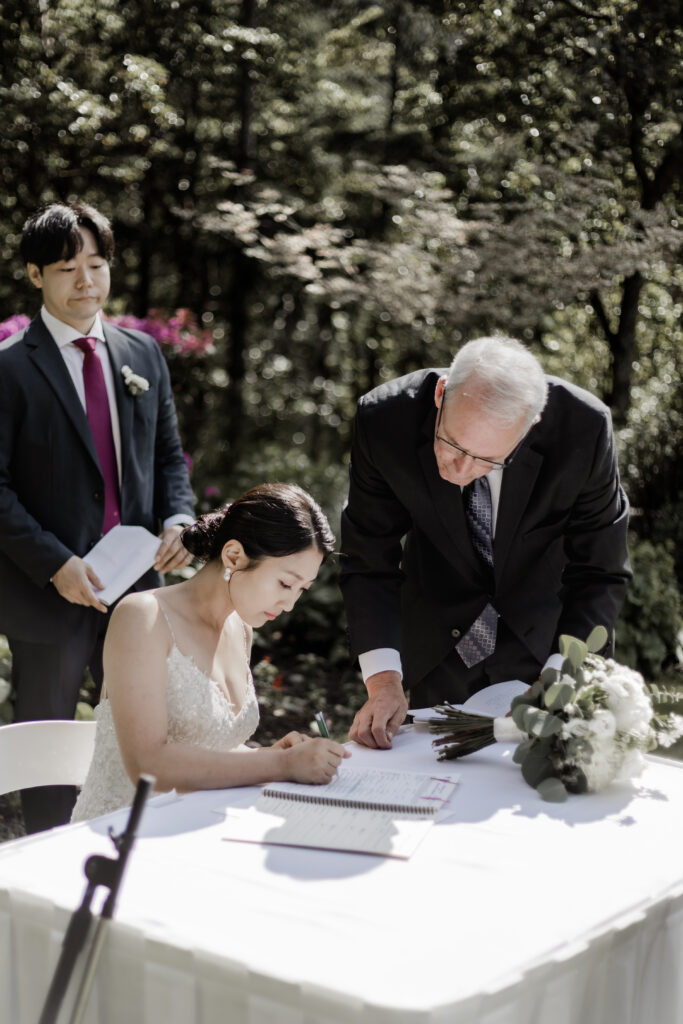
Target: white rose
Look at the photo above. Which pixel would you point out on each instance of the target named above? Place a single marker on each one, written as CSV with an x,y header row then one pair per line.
x,y
602,725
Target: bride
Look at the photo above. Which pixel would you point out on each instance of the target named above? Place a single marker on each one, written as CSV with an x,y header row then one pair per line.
x,y
178,700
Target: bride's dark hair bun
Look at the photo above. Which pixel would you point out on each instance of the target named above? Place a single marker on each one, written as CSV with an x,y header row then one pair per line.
x,y
200,537
269,521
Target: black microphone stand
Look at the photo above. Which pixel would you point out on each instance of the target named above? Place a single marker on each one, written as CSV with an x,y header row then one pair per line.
x,y
99,870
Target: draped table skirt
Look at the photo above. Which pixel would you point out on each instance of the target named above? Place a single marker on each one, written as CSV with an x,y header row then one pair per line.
x,y
511,911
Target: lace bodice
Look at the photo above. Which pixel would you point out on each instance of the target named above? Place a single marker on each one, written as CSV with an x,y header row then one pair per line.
x,y
199,713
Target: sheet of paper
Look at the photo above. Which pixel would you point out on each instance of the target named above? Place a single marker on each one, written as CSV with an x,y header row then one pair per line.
x,y
348,829
493,700
123,555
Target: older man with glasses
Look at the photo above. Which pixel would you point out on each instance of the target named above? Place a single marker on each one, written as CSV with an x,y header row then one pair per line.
x,y
485,518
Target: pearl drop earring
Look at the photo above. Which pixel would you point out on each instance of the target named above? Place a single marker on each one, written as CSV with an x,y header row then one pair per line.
x,y
227,574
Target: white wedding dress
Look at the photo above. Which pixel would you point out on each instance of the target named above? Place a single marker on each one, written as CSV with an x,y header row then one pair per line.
x,y
199,713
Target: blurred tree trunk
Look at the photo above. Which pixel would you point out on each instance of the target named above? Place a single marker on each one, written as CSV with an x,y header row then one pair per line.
x,y
395,30
622,344
655,183
245,96
145,248
243,270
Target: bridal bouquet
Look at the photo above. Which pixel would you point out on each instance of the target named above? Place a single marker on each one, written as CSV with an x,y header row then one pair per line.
x,y
579,728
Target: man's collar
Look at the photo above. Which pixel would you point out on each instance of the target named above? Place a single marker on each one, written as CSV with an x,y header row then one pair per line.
x,y
64,334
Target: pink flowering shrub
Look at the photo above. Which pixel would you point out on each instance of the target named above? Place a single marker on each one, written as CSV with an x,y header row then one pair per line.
x,y
181,332
11,326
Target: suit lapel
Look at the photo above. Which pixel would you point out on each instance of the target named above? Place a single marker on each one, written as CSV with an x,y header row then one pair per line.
x,y
118,349
44,353
518,483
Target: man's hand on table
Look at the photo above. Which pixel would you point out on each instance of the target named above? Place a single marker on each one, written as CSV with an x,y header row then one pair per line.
x,y
378,721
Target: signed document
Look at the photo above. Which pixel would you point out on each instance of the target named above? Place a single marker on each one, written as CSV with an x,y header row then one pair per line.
x,y
359,811
121,558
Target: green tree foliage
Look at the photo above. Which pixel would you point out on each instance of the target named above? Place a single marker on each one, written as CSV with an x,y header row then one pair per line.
x,y
649,628
345,192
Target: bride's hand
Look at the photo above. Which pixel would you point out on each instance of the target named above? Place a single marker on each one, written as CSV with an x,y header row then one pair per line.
x,y
315,761
290,740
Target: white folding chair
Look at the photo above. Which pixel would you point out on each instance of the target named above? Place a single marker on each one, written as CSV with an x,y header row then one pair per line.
x,y
45,753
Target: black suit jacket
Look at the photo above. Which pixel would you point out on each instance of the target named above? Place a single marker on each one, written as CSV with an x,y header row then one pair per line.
x,y
51,486
410,576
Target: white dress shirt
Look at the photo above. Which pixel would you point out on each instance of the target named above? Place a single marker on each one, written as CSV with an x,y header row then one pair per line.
x,y
64,336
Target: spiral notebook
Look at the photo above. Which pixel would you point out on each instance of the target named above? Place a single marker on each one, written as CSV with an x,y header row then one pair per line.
x,y
360,811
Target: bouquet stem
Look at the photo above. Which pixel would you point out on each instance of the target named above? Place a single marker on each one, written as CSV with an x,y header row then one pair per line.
x,y
464,732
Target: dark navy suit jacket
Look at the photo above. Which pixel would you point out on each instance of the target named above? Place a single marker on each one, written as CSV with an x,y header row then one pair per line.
x,y
410,576
51,486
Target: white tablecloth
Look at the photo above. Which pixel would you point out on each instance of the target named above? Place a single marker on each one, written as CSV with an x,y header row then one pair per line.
x,y
512,911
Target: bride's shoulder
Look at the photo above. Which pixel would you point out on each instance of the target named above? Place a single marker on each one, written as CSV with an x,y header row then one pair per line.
x,y
138,610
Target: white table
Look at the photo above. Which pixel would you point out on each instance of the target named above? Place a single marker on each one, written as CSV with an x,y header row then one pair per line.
x,y
513,911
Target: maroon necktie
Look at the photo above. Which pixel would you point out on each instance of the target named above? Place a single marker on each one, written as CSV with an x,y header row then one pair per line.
x,y
99,418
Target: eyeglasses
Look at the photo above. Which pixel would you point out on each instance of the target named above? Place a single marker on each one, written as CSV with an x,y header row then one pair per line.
x,y
476,458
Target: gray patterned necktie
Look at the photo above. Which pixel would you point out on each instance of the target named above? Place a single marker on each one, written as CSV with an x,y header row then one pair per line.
x,y
480,639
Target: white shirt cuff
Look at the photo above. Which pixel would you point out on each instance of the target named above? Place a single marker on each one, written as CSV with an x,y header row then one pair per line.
x,y
180,519
382,659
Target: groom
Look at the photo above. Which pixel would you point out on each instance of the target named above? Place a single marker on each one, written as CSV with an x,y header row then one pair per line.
x,y
88,439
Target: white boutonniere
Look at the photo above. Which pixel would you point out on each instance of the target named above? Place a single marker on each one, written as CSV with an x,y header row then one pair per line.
x,y
136,384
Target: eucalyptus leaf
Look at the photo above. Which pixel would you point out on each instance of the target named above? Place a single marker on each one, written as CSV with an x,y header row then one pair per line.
x,y
552,789
548,676
544,744
536,768
572,649
597,638
577,653
533,720
519,716
539,724
550,726
557,695
522,750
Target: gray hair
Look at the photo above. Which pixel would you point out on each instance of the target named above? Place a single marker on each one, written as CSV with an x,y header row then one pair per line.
x,y
504,375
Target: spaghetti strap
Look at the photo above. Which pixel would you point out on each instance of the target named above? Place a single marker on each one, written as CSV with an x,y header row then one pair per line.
x,y
168,622
247,654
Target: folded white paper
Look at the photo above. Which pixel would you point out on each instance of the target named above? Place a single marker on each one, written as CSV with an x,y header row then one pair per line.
x,y
493,700
123,555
